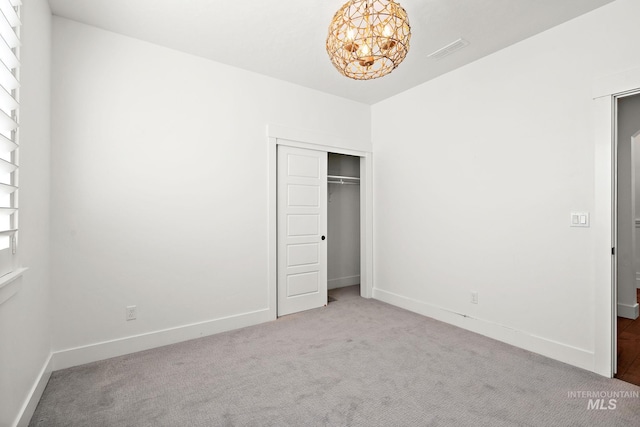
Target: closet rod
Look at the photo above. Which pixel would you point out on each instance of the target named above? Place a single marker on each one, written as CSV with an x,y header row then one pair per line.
x,y
343,177
343,182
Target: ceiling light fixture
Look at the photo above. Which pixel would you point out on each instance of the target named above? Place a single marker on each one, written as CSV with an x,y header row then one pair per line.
x,y
368,38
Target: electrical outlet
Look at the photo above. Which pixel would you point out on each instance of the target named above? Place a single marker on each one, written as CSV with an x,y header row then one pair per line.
x,y
131,312
474,297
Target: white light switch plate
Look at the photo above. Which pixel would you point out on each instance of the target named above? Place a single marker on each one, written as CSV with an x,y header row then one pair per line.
x,y
579,219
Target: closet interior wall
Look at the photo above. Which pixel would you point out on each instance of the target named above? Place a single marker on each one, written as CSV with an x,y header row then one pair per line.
x,y
343,221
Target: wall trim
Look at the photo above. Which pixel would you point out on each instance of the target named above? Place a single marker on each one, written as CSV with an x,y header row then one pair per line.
x,y
313,137
565,353
618,83
9,285
341,282
34,395
628,311
67,358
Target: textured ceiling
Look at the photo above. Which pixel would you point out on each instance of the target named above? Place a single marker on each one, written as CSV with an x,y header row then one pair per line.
x,y
285,39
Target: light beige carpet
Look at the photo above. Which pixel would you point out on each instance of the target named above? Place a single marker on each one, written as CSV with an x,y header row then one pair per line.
x,y
356,362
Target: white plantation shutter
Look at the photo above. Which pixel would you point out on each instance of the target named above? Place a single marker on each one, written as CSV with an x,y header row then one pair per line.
x,y
9,119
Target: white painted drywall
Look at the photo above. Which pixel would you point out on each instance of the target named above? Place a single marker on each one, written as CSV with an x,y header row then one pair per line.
x,y
343,213
628,126
25,335
159,186
482,176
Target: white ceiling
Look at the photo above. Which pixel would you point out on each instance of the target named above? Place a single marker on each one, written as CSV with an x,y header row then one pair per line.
x,y
285,39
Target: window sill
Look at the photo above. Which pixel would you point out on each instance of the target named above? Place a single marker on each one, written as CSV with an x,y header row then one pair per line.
x,y
8,286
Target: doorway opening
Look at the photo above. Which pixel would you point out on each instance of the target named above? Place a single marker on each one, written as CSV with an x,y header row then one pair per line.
x,y
318,226
627,236
606,91
348,165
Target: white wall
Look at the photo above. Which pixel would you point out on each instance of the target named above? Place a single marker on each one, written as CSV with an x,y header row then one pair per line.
x,y
343,223
159,189
628,126
25,336
482,176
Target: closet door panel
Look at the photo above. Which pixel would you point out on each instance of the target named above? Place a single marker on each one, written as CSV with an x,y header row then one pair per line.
x,y
302,227
304,254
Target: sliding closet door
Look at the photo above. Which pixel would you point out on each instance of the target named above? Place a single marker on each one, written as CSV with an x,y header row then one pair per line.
x,y
302,227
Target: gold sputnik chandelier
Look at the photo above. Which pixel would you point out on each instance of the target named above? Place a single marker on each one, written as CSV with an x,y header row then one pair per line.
x,y
368,38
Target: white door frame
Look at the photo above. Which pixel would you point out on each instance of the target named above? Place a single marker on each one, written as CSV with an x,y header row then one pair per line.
x,y
605,93
279,135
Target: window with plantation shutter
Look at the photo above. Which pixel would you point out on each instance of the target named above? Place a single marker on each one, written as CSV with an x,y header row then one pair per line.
x,y
9,120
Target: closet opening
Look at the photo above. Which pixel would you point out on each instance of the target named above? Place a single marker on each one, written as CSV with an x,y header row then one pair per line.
x,y
300,172
627,247
343,226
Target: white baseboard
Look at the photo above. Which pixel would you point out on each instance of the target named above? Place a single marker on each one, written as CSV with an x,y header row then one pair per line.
x,y
628,311
104,350
30,404
565,353
342,282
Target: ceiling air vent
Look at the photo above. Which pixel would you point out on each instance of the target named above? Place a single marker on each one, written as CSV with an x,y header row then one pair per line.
x,y
448,49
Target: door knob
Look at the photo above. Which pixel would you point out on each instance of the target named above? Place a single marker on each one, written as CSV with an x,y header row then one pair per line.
x,y
323,237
